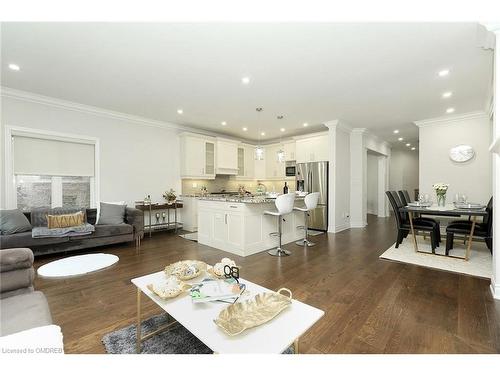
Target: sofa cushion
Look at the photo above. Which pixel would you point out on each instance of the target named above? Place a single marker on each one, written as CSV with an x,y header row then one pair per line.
x,y
24,311
39,215
25,240
13,221
64,221
111,214
102,230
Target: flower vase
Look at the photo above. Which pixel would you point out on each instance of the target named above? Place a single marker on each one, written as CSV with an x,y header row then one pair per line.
x,y
441,200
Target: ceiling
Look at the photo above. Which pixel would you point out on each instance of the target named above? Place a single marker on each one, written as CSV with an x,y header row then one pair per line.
x,y
380,76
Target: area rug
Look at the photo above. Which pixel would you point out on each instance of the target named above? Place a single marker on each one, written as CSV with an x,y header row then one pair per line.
x,y
479,264
190,236
176,340
77,265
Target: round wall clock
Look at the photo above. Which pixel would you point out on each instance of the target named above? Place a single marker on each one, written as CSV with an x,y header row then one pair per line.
x,y
461,153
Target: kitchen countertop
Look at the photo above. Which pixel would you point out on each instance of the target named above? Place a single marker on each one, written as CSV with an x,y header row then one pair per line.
x,y
255,199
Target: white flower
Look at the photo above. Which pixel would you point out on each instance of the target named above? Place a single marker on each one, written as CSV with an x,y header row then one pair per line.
x,y
441,187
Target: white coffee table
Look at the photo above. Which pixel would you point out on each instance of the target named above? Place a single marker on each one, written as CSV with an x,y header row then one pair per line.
x,y
272,337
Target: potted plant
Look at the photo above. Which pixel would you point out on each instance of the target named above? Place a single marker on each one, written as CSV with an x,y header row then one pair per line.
x,y
441,190
170,196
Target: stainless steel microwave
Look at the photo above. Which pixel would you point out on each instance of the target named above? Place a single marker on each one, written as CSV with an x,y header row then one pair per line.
x,y
290,168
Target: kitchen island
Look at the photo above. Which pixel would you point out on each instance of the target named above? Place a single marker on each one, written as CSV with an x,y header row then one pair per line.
x,y
239,226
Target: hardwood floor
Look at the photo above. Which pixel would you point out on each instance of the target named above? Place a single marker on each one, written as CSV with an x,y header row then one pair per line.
x,y
371,305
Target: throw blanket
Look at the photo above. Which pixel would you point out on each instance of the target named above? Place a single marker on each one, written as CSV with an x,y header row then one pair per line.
x,y
41,232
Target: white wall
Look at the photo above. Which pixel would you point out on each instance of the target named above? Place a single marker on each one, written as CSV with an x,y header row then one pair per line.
x,y
362,142
339,176
403,171
135,159
372,184
473,178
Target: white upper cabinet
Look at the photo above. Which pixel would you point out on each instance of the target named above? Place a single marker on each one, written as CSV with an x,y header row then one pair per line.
x,y
246,164
289,148
198,155
227,157
312,148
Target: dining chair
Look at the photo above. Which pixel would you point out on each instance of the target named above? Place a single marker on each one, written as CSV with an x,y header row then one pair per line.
x,y
405,199
482,230
403,223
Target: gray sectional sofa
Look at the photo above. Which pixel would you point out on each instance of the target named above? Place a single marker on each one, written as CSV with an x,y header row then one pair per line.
x,y
21,307
131,230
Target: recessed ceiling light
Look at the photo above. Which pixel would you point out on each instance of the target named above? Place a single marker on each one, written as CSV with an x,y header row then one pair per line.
x,y
14,67
245,80
245,129
447,94
400,139
396,131
282,129
413,148
305,124
223,123
444,73
180,111
450,110
262,134
408,144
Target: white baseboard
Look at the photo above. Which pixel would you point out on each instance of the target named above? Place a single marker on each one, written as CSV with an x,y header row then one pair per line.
x,y
341,227
495,291
358,224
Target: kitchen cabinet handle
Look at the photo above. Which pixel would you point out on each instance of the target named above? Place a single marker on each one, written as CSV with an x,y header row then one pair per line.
x,y
233,206
225,218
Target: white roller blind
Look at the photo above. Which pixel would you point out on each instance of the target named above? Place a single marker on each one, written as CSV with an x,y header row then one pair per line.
x,y
38,156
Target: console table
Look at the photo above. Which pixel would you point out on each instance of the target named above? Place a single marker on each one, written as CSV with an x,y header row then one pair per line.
x,y
160,224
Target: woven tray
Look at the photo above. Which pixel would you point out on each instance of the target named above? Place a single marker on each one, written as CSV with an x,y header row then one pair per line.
x,y
254,312
186,269
169,288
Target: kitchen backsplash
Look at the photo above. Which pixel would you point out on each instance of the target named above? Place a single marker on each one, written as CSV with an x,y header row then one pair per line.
x,y
231,184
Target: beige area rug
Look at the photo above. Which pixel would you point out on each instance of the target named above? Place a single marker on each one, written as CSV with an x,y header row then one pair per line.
x,y
479,264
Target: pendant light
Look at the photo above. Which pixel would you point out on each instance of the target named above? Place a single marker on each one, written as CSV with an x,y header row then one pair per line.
x,y
280,154
259,150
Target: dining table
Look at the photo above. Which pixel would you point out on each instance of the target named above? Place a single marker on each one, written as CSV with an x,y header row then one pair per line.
x,y
416,208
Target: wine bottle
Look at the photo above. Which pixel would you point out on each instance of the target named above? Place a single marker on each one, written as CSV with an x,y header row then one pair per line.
x,y
285,189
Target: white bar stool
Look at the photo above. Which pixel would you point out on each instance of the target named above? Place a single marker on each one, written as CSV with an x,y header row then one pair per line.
x,y
311,202
284,206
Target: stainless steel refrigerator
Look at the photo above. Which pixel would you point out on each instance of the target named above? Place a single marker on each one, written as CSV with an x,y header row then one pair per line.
x,y
313,177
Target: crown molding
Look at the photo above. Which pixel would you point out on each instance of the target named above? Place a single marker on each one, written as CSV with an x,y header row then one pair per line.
x,y
443,120
310,135
338,124
359,130
8,92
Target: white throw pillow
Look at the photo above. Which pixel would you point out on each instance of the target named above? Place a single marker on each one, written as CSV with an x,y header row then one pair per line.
x,y
120,203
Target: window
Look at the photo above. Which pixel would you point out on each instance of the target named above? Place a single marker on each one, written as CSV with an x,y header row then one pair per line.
x,y
53,191
33,191
50,170
76,191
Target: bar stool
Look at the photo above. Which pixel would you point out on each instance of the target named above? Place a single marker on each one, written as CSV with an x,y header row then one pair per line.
x,y
311,202
284,206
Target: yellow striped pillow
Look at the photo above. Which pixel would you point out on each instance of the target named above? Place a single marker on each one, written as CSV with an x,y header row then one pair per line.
x,y
65,221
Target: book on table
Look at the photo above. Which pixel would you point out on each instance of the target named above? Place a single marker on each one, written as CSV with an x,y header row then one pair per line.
x,y
216,290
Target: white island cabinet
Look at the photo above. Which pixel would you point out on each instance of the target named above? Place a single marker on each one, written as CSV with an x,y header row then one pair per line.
x,y
242,228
